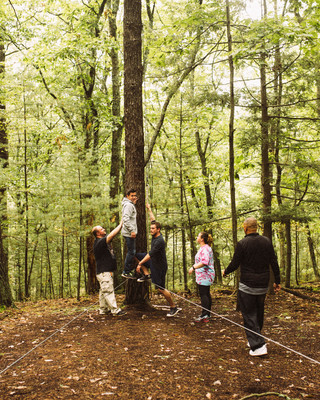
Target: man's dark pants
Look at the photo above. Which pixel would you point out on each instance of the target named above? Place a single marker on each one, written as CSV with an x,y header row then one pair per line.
x,y
252,309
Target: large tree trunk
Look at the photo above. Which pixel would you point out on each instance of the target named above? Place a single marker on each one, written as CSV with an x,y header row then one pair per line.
x,y
134,136
5,291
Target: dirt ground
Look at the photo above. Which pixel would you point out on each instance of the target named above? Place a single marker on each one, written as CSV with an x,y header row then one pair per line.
x,y
145,355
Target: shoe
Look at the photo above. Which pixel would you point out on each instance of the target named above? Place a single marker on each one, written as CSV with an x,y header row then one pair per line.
x,y
261,351
144,278
173,311
121,313
204,318
104,312
128,275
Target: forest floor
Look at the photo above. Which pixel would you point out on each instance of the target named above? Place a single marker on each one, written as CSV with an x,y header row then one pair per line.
x,y
146,355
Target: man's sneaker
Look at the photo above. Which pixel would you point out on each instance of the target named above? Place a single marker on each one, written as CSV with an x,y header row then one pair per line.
x,y
120,313
144,278
173,311
204,318
261,351
128,275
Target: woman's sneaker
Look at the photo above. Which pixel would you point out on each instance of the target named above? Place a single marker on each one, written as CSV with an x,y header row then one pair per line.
x,y
204,318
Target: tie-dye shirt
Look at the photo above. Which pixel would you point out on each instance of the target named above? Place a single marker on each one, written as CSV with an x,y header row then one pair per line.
x,y
205,275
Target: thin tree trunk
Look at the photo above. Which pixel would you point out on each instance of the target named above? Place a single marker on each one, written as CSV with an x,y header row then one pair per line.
x,y
265,165
26,193
5,290
312,254
50,277
297,256
182,189
115,166
62,259
231,133
289,251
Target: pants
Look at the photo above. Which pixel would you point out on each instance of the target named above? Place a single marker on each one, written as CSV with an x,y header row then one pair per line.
x,y
131,251
107,298
206,300
252,309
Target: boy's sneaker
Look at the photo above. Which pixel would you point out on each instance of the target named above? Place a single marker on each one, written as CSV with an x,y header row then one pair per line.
x,y
128,275
204,318
144,278
261,351
120,313
173,311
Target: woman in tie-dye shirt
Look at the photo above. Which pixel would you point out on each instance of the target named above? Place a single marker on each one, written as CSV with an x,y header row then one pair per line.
x,y
204,270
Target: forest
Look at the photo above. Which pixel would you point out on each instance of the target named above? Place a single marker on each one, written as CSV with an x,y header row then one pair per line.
x,y
231,122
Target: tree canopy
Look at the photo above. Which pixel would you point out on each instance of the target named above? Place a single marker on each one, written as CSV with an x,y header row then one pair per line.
x,y
63,142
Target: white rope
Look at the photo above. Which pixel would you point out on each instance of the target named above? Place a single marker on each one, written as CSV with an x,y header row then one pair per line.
x,y
175,294
54,333
243,327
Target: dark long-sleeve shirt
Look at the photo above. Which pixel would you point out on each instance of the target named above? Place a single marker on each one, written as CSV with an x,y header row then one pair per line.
x,y
254,254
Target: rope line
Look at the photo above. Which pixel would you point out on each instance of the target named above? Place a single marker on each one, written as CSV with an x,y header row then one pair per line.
x,y
243,327
175,294
54,333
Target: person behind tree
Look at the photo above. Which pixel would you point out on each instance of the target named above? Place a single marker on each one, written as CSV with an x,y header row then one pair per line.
x,y
156,261
204,270
105,265
129,230
254,254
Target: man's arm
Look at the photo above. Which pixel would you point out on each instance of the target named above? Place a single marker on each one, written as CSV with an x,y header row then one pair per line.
x,y
235,262
113,233
152,218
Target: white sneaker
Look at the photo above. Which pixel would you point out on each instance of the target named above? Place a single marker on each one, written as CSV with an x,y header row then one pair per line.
x,y
261,351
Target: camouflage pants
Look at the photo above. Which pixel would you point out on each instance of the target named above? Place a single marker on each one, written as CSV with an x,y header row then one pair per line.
x,y
107,298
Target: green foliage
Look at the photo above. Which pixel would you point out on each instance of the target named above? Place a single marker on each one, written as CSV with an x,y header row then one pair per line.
x,y
58,91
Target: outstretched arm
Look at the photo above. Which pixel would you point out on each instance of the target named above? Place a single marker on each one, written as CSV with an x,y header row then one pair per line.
x,y
113,233
151,215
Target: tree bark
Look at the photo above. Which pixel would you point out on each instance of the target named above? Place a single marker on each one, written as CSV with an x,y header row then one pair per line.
x,y
5,290
312,254
231,132
134,136
265,165
115,167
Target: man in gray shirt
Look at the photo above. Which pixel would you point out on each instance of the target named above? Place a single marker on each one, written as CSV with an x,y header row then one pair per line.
x,y
129,230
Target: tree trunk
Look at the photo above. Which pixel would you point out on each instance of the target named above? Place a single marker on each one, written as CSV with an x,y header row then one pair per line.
x,y
5,290
26,193
134,136
312,254
289,250
265,166
231,133
182,190
116,131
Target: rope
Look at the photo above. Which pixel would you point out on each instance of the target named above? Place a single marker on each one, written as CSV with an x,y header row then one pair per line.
x,y
243,327
175,294
54,333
